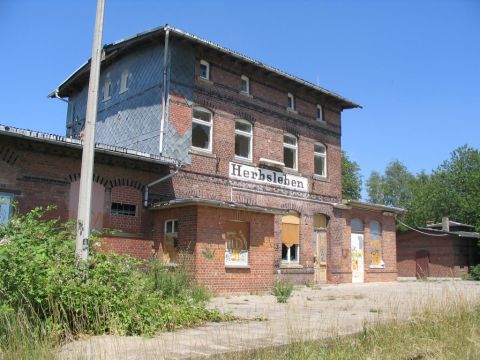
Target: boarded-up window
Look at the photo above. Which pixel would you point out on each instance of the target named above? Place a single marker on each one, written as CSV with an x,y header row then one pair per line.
x,y
237,239
170,242
5,207
356,225
376,245
290,238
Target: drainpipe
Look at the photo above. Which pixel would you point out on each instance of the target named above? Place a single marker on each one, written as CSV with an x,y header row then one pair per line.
x,y
166,177
164,89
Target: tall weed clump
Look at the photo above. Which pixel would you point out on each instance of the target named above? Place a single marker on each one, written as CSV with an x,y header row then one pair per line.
x,y
110,293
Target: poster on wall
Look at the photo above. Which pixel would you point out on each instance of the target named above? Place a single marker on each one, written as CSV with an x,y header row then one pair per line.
x,y
376,255
236,237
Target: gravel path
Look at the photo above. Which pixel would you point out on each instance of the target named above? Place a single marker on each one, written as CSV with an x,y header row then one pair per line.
x,y
309,314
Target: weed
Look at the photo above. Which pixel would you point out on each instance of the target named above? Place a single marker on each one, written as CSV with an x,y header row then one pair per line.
x,y
282,290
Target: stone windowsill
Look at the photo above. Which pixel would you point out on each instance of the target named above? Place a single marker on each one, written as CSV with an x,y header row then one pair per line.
x,y
292,111
206,81
243,161
239,266
320,178
204,153
246,94
290,266
122,234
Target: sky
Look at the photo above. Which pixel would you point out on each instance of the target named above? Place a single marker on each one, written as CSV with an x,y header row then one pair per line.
x,y
414,65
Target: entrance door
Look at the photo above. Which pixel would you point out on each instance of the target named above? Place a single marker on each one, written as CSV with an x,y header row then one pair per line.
x,y
357,258
320,256
422,261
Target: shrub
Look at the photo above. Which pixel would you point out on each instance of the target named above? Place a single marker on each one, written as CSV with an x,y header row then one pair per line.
x,y
475,272
282,290
111,293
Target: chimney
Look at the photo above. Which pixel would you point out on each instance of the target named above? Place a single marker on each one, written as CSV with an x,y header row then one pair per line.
x,y
445,224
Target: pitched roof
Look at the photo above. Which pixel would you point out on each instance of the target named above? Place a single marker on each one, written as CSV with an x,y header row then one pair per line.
x,y
126,44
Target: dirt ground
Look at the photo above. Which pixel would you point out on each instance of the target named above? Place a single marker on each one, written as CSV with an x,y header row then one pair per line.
x,y
311,313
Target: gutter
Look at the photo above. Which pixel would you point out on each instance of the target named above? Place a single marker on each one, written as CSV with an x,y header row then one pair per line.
x,y
178,165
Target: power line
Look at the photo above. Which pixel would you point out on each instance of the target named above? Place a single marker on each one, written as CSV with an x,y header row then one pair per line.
x,y
419,231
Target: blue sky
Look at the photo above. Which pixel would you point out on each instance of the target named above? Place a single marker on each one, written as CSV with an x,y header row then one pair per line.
x,y
413,65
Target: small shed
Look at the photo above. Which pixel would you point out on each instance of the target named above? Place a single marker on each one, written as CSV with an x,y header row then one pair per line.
x,y
441,250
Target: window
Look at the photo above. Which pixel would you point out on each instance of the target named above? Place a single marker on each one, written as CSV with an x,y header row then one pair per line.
x,y
243,139
291,102
124,81
320,159
202,129
356,225
290,238
204,70
245,85
290,151
5,208
237,239
107,90
320,113
376,261
170,241
123,209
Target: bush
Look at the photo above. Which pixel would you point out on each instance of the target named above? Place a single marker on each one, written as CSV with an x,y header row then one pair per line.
x,y
474,272
282,290
111,293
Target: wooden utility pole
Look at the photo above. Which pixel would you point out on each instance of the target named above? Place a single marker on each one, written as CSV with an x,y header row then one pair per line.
x,y
86,175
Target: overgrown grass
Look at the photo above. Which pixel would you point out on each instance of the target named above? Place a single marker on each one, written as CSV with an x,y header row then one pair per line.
x,y
282,290
452,333
47,299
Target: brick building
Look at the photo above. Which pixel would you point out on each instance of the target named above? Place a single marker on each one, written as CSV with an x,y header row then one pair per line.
x,y
445,249
253,157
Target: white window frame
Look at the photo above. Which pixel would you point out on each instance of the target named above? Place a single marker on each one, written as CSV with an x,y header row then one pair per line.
x,y
173,221
205,123
290,98
290,146
250,138
124,81
289,260
324,156
107,89
207,65
320,111
247,80
174,233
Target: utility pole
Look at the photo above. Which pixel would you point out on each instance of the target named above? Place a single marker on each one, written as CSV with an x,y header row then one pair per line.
x,y
86,174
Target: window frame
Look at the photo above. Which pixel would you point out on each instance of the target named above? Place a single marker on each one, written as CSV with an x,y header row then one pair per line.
x,y
320,118
10,206
124,81
207,66
250,139
247,80
290,146
288,260
324,156
107,89
239,263
119,211
291,97
204,123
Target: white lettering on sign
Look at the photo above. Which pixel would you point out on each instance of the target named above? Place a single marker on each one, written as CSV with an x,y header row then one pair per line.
x,y
265,176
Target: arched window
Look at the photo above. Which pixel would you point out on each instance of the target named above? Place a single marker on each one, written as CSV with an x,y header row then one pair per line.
x,y
290,151
202,129
356,225
320,113
320,159
376,251
124,81
243,139
290,238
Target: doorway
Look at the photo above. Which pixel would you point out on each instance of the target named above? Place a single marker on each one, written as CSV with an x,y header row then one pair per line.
x,y
357,248
320,248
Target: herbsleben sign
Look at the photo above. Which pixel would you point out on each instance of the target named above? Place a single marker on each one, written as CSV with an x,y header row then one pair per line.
x,y
265,176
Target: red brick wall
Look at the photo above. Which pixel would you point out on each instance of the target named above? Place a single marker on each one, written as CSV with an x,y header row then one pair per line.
x,y
131,196
212,271
389,251
140,248
449,256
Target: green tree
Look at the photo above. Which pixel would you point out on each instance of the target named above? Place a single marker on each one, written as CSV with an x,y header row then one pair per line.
x,y
393,188
351,178
375,184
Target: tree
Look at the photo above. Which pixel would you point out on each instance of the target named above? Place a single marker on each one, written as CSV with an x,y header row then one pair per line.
x,y
375,185
351,178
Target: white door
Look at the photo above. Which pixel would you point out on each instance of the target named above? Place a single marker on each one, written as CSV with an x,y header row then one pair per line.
x,y
357,258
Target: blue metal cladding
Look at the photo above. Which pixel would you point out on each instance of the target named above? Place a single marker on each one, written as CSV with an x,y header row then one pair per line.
x,y
131,119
